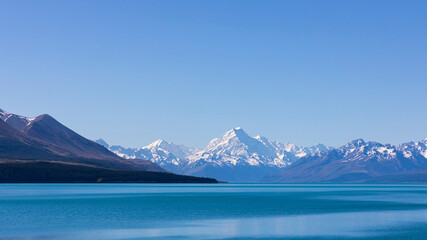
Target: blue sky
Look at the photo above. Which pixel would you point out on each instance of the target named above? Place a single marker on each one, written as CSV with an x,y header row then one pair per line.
x,y
187,71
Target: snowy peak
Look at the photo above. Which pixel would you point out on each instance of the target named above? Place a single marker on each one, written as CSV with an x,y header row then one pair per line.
x,y
237,148
16,121
236,142
360,151
179,151
157,144
355,143
414,150
236,133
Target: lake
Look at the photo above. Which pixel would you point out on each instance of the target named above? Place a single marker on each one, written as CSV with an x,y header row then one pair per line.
x,y
213,211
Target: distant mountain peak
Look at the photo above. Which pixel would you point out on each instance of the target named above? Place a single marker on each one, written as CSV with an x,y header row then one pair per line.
x,y
102,142
157,143
356,143
237,132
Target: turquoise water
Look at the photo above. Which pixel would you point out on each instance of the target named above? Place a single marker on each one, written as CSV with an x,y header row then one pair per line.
x,y
217,211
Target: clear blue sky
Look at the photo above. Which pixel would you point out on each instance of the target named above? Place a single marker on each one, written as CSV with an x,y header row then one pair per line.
x,y
187,71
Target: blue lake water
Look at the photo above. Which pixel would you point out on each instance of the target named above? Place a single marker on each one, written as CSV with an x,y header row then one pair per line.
x,y
215,211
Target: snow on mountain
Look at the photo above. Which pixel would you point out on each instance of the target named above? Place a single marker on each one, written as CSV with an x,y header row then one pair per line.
x,y
413,150
358,161
16,121
291,150
359,150
236,147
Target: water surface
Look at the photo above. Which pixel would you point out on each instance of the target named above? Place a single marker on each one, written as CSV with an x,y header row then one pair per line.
x,y
213,211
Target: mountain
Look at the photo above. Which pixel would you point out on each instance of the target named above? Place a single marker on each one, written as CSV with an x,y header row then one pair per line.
x,y
233,157
359,161
44,138
41,149
167,155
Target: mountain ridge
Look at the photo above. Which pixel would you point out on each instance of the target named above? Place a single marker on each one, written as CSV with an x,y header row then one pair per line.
x,y
44,138
357,161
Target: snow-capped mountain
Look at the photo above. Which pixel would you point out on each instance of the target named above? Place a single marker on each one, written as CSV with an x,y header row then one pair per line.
x,y
359,150
236,147
235,156
413,150
359,161
166,154
238,157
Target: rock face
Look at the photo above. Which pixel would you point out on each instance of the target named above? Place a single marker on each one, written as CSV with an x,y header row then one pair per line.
x,y
235,156
360,161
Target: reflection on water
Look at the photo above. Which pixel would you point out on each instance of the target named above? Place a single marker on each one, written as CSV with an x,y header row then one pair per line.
x,y
349,224
212,212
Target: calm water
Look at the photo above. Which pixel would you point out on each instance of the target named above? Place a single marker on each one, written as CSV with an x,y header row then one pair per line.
x,y
222,211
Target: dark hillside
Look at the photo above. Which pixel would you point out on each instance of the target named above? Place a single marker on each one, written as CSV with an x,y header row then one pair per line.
x,y
49,172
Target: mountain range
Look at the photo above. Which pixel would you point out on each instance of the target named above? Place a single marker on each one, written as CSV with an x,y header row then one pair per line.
x,y
235,156
30,141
